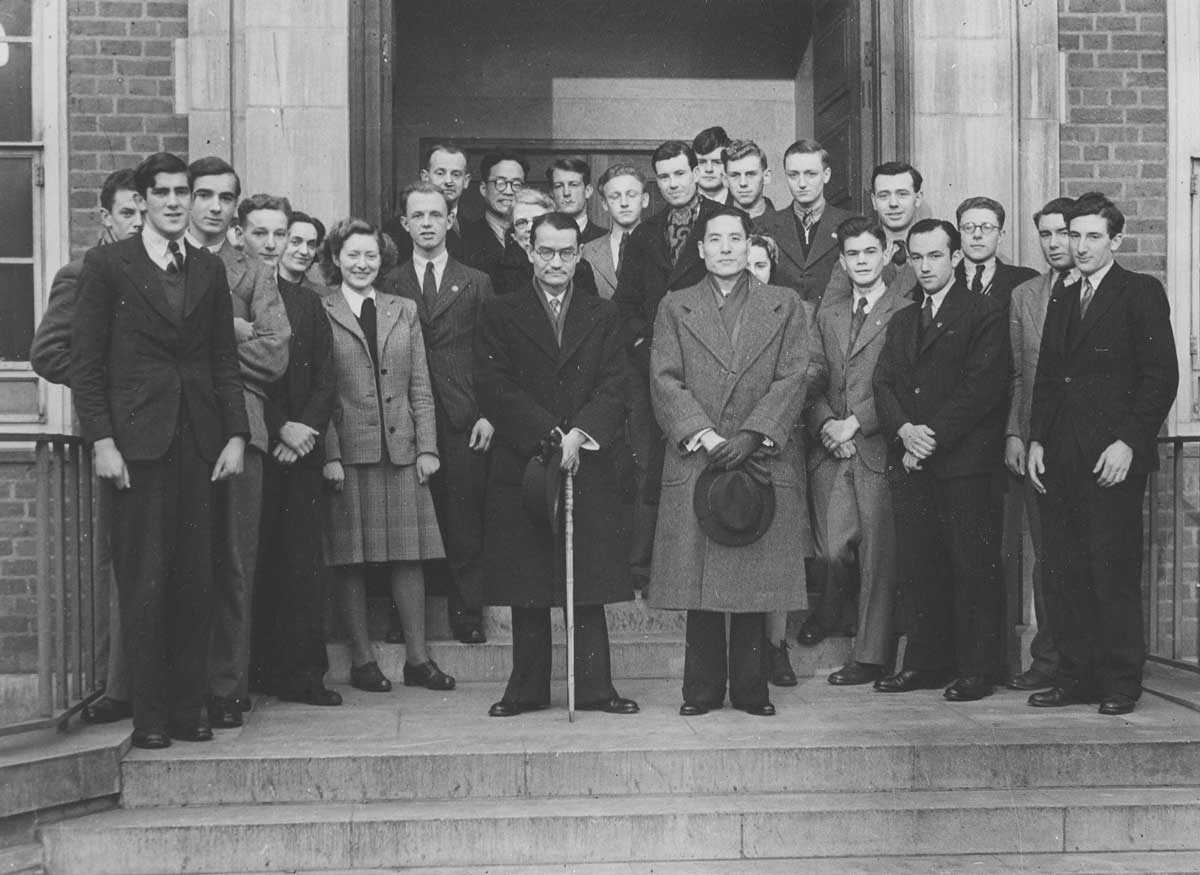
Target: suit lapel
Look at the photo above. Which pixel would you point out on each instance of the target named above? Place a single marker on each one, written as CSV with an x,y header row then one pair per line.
x,y
600,257
195,282
690,253
824,239
454,280
535,324
387,310
577,325
339,312
703,320
876,320
952,308
1102,298
143,274
840,313
759,324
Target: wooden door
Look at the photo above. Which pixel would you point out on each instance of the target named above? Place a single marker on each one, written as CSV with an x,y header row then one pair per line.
x,y
838,97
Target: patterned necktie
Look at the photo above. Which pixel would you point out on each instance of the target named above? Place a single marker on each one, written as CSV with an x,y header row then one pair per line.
x,y
807,220
977,283
429,286
1085,298
900,255
857,320
556,310
679,226
176,265
621,251
927,314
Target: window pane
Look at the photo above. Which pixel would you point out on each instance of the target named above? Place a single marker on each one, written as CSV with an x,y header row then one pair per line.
x,y
16,312
16,92
15,17
16,207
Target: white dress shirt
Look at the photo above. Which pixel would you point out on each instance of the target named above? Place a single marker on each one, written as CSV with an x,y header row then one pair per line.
x,y
355,300
156,247
439,266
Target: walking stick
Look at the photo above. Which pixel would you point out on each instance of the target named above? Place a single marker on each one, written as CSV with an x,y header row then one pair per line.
x,y
569,532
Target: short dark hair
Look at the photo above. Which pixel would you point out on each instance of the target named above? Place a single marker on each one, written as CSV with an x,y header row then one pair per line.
x,y
557,221
1096,203
673,149
299,218
767,243
570,165
925,226
491,159
418,188
159,162
723,211
614,170
709,140
450,148
739,149
343,231
856,226
213,165
118,180
980,203
1059,205
895,168
807,147
263,202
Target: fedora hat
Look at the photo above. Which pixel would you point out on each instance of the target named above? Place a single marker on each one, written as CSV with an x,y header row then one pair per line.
x,y
541,490
733,507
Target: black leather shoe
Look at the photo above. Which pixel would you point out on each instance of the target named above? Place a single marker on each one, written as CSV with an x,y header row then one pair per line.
x,y
690,709
194,731
853,674
1055,697
615,705
150,739
781,672
106,710
766,709
969,689
1029,681
427,675
314,695
470,635
223,713
1117,704
369,678
909,679
504,708
811,631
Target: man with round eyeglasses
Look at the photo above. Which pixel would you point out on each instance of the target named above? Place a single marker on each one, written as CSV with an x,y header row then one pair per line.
x,y
502,175
981,223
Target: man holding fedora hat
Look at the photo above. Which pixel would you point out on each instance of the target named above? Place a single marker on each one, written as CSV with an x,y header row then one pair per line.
x,y
550,376
727,380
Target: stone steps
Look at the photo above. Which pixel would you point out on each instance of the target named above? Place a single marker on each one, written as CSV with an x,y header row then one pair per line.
x,y
475,832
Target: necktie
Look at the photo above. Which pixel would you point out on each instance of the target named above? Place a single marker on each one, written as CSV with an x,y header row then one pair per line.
x,y
679,226
368,322
555,310
807,220
900,255
429,286
977,283
176,264
1085,298
857,320
927,314
621,250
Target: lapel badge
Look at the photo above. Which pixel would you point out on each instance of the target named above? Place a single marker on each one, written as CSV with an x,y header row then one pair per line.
x,y
454,288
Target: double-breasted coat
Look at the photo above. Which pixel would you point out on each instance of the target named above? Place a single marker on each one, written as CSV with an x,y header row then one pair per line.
x,y
700,378
527,384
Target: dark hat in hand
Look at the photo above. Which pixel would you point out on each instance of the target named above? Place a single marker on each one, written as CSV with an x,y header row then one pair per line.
x,y
541,490
733,507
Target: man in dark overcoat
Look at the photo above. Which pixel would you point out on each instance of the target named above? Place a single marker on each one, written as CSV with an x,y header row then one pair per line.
x,y
550,368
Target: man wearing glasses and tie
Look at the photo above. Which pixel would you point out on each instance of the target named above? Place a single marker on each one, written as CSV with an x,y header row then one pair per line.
x,y
485,240
981,223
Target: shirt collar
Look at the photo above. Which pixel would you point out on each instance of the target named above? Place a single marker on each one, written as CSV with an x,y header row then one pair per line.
x,y
156,245
547,295
499,227
876,292
439,263
817,212
743,282
582,221
939,297
355,300
1098,277
192,239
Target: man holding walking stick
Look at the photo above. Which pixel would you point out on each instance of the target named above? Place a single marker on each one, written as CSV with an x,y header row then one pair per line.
x,y
550,375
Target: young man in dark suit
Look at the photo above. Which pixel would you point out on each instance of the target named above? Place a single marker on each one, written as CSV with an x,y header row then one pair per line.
x,y
549,368
487,241
261,327
941,393
1106,380
155,375
981,223
623,196
806,229
449,296
662,255
121,216
709,147
571,187
288,657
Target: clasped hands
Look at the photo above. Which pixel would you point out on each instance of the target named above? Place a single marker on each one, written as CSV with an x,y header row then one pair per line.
x,y
919,445
296,440
837,436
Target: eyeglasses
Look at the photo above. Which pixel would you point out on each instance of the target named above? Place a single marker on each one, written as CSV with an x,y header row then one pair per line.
x,y
546,254
971,228
502,184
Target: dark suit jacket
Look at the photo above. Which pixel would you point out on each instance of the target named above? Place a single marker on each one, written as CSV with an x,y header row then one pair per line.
x,y
1006,278
134,363
808,275
955,381
307,391
1111,378
513,272
647,275
50,354
480,248
449,330
592,232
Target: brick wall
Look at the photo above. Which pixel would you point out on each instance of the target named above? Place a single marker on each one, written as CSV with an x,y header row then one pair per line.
x,y
18,566
121,83
1115,138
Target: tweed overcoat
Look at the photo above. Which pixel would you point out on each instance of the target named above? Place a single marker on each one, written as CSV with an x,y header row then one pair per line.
x,y
527,384
700,379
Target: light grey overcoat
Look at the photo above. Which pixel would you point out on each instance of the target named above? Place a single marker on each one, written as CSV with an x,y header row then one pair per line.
x,y
700,379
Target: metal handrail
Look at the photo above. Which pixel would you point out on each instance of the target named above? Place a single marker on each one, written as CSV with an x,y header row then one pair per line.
x,y
66,584
1176,655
